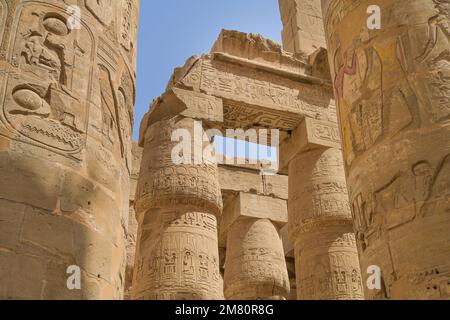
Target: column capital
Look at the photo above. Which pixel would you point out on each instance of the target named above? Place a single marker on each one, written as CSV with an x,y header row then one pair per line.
x,y
185,103
310,134
246,205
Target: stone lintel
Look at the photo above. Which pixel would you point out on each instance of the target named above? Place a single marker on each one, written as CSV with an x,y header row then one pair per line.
x,y
250,46
311,134
246,205
200,106
300,76
238,178
259,89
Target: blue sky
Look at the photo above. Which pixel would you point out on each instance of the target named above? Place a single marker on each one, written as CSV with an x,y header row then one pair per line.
x,y
171,31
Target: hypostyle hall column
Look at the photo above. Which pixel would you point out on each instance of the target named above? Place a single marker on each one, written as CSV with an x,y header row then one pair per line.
x,y
320,221
392,87
255,266
327,264
177,206
67,79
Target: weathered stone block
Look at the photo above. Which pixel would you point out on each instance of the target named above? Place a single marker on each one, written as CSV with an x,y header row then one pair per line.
x,y
23,276
247,205
51,232
239,179
311,134
11,220
29,180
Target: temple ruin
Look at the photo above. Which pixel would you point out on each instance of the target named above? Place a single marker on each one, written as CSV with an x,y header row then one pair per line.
x,y
359,117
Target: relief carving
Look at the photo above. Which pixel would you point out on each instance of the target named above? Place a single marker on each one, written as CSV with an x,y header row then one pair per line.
x,y
388,104
3,12
110,125
55,163
128,29
255,267
329,269
256,88
436,56
47,104
102,10
240,115
178,258
164,184
421,192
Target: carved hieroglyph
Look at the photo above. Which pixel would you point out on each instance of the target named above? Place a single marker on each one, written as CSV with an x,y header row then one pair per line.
x,y
132,222
255,267
66,113
177,255
3,12
392,87
321,228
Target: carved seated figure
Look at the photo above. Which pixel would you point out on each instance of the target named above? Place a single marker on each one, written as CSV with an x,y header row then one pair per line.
x,y
37,54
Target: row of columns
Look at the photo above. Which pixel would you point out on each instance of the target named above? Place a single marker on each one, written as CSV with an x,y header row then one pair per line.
x,y
391,86
178,208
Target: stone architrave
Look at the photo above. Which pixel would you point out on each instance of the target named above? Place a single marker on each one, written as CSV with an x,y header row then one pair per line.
x,y
177,205
66,100
392,89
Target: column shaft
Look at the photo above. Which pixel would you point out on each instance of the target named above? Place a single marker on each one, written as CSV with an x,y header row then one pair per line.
x,y
255,267
392,88
320,226
66,99
177,204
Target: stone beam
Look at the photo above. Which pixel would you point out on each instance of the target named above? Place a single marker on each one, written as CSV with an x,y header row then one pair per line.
x,y
274,94
236,179
246,205
259,83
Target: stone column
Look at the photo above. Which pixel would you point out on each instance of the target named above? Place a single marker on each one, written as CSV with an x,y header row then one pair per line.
x,y
177,206
327,265
320,221
255,267
66,98
302,26
392,87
